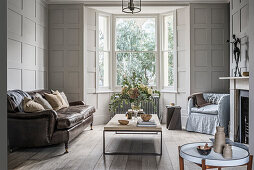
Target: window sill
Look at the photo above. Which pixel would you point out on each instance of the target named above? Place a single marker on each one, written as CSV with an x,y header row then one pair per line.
x,y
168,91
104,91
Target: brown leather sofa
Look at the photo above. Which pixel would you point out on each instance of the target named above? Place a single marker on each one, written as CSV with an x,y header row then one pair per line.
x,y
47,127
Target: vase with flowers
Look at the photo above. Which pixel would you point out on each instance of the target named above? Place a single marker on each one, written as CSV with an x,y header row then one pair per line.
x,y
133,92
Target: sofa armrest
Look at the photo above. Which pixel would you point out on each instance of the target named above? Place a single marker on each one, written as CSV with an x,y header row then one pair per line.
x,y
31,129
224,111
76,103
190,105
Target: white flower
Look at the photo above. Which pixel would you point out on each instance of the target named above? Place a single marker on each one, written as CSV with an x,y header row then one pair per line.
x,y
150,91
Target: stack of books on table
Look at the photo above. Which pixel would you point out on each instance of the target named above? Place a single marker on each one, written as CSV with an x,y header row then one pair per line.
x,y
141,123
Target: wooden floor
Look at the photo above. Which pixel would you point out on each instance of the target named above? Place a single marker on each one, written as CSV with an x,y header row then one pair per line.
x,y
85,152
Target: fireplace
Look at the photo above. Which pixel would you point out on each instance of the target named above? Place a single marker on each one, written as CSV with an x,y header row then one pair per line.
x,y
243,117
239,109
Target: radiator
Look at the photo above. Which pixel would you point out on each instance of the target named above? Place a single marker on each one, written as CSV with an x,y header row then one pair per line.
x,y
148,107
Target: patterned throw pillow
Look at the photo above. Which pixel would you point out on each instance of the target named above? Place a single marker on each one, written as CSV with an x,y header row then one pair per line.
x,y
213,99
39,99
31,106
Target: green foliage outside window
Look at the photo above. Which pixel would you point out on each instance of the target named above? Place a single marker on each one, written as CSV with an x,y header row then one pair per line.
x,y
135,49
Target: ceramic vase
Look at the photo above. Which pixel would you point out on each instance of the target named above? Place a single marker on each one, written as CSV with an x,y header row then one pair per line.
x,y
227,151
219,139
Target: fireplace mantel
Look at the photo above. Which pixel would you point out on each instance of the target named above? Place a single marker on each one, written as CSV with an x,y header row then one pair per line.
x,y
233,78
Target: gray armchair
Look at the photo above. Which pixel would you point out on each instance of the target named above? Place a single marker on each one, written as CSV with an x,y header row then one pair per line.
x,y
205,119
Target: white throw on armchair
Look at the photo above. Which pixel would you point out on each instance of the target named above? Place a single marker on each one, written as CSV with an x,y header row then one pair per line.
x,y
205,119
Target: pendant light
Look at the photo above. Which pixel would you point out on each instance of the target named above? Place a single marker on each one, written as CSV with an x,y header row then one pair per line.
x,y
131,6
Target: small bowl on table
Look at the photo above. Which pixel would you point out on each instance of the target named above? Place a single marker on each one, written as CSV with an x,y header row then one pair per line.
x,y
204,150
146,117
123,122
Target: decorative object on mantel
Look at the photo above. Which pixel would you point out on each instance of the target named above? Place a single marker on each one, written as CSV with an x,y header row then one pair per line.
x,y
227,151
246,74
236,52
172,104
134,92
220,139
128,6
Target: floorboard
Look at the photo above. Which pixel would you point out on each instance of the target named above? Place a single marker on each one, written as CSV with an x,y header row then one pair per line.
x,y
85,152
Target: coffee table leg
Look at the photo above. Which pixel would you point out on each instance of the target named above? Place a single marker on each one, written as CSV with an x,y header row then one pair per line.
x,y
161,144
181,161
103,142
203,164
249,165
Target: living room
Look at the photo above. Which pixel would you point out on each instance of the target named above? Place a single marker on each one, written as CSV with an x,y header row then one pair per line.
x,y
127,84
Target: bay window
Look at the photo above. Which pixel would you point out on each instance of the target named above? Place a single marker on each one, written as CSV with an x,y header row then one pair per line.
x,y
136,47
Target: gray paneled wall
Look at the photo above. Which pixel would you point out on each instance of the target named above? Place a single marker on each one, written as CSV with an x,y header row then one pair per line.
x,y
27,44
209,50
239,17
66,50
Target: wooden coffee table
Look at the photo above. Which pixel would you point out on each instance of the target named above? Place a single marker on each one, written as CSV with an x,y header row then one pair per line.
x,y
131,128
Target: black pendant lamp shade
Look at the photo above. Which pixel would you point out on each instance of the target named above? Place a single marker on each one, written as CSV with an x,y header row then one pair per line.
x,y
131,6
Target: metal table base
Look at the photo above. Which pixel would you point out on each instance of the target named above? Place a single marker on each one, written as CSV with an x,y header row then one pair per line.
x,y
130,153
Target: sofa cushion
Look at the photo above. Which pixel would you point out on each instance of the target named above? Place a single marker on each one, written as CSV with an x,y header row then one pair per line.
x,y
69,117
209,109
54,101
41,92
39,99
31,106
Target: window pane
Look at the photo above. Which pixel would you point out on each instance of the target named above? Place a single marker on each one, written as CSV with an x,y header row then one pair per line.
x,y
168,46
168,68
168,34
103,33
135,34
141,63
103,69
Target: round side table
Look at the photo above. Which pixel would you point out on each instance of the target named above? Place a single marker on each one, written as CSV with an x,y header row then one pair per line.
x,y
189,152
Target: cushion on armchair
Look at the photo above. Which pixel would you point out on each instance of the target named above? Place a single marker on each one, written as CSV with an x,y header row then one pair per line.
x,y
209,109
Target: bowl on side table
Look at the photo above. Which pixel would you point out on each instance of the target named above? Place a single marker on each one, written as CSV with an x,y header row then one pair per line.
x,y
123,122
146,117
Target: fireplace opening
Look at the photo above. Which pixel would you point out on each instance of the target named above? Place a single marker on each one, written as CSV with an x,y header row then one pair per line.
x,y
243,129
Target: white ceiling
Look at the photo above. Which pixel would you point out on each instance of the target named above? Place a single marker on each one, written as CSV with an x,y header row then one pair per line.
x,y
99,2
144,10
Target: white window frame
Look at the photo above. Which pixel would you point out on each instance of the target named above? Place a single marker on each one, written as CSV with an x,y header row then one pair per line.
x,y
116,87
104,89
175,70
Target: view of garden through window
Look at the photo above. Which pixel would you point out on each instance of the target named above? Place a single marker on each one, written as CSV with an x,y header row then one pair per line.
x,y
168,50
136,48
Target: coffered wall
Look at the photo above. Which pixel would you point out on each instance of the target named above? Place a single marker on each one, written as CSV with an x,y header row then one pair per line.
x,y
209,50
239,17
27,44
66,50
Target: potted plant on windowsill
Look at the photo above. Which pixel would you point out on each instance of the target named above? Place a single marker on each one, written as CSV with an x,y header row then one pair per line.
x,y
134,92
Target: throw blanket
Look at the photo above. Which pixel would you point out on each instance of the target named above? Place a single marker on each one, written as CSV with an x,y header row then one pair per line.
x,y
15,100
198,100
